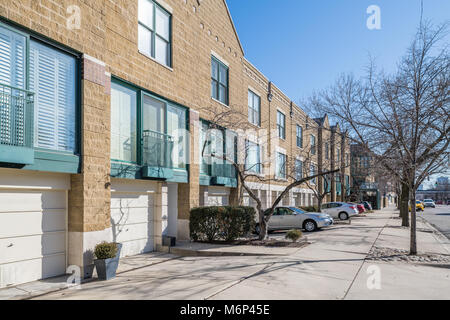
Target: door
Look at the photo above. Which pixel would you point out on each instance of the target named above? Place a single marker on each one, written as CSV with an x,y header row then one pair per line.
x,y
132,222
289,219
275,220
33,235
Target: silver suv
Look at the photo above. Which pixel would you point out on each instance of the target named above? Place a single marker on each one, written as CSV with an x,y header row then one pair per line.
x,y
340,210
429,203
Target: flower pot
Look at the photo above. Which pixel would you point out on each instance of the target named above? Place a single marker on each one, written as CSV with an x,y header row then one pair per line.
x,y
106,268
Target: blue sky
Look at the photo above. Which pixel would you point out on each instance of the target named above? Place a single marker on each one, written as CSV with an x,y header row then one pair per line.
x,y
303,45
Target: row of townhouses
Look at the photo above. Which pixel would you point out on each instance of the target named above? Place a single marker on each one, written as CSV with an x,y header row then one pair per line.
x,y
105,108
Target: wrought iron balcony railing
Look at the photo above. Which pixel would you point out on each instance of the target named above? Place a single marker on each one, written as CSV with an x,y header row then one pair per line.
x,y
157,149
16,116
16,125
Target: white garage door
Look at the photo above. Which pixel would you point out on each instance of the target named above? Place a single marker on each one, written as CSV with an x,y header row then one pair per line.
x,y
32,235
132,222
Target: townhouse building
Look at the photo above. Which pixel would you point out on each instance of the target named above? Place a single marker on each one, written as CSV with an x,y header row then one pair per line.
x,y
105,108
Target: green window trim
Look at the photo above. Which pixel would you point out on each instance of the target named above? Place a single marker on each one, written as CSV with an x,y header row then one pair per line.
x,y
216,84
47,159
137,169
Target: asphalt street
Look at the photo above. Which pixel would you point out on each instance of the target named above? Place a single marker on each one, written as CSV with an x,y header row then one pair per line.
x,y
439,217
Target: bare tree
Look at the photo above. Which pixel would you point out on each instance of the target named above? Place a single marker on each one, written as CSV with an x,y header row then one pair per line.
x,y
403,119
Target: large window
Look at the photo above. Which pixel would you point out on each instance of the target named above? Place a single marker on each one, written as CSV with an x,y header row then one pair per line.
x,y
219,81
253,157
299,136
281,125
123,123
280,166
12,58
154,31
155,129
327,150
53,80
254,108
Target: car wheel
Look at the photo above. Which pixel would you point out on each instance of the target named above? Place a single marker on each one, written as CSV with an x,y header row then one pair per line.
x,y
343,216
310,225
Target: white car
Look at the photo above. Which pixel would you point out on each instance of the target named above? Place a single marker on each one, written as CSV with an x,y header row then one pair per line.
x,y
429,203
285,218
340,210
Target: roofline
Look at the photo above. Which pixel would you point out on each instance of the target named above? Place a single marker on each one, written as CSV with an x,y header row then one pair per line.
x,y
234,28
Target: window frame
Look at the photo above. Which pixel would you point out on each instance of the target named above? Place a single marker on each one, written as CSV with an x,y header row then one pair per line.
x,y
298,175
33,36
279,126
252,110
140,93
313,145
217,82
278,166
154,34
258,165
299,138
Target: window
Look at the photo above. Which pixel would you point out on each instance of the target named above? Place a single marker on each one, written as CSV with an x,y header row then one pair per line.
x,y
219,81
338,155
281,166
53,80
12,58
281,125
253,157
298,169
123,123
313,172
327,151
313,144
254,108
158,139
154,31
299,136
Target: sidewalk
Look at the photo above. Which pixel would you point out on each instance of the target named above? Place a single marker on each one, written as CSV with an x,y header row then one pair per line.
x,y
333,266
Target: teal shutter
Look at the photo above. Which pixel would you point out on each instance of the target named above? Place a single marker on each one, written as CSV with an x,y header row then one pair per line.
x,y
53,79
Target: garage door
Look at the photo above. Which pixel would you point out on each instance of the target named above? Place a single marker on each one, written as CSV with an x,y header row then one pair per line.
x,y
132,222
32,235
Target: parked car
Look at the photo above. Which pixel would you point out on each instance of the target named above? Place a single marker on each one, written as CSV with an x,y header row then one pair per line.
x,y
285,218
367,205
440,202
419,206
340,210
429,203
361,208
448,202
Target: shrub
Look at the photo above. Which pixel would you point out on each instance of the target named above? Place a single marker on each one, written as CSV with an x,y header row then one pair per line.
x,y
221,223
106,250
310,209
294,235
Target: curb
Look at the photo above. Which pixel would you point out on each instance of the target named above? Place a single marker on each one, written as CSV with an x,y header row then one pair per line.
x,y
436,233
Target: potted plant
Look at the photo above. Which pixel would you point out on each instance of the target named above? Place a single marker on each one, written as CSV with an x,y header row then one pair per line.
x,y
107,254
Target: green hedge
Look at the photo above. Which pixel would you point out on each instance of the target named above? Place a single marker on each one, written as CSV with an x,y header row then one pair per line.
x,y
221,223
310,209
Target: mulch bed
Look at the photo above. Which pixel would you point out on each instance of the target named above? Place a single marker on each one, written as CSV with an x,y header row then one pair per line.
x,y
265,243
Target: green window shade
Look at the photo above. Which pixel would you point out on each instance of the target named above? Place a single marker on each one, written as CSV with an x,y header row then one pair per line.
x,y
53,80
123,123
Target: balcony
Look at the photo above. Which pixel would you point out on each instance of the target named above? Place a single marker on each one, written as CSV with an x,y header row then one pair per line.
x,y
223,174
16,125
157,151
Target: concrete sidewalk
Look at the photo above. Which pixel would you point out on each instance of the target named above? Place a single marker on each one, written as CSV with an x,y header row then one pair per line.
x,y
333,266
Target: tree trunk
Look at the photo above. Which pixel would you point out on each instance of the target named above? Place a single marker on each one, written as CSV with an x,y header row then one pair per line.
x,y
263,233
404,199
413,244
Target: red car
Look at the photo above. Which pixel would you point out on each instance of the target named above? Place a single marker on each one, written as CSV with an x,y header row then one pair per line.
x,y
361,208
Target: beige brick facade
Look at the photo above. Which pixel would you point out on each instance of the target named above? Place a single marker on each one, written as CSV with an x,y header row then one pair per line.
x,y
108,42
